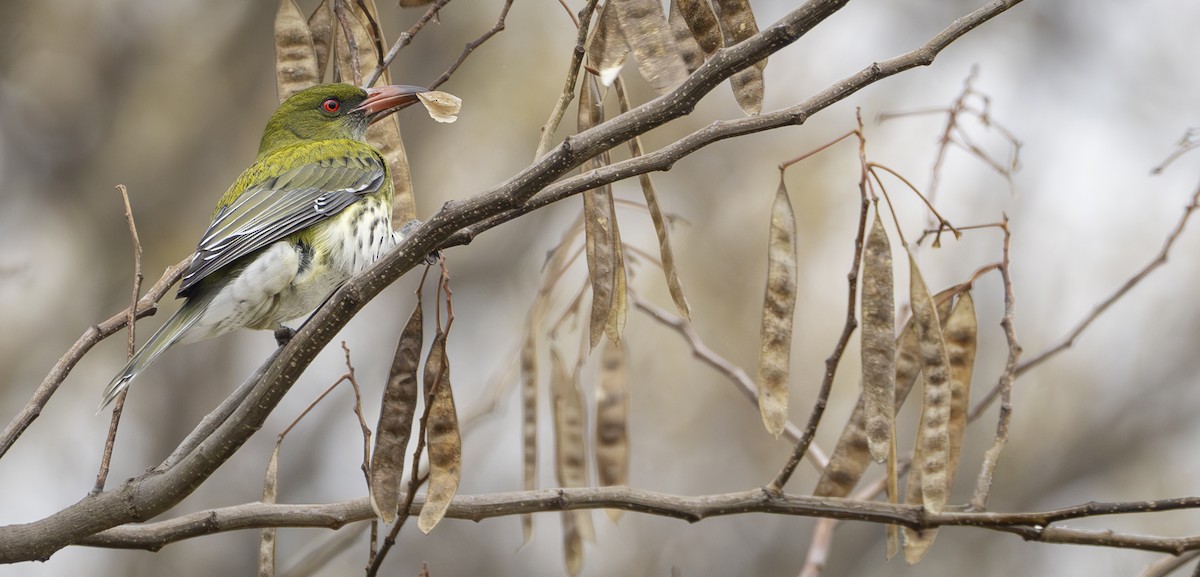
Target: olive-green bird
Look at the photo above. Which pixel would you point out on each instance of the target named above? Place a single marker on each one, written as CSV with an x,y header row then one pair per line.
x,y
313,210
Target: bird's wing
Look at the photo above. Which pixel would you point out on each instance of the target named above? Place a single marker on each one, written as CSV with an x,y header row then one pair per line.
x,y
281,205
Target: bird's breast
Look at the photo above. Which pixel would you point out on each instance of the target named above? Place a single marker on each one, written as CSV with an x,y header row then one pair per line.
x,y
349,242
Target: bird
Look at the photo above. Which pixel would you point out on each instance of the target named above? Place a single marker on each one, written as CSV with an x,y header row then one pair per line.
x,y
311,211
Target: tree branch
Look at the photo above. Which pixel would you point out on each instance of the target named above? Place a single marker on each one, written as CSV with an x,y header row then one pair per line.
x,y
148,305
1030,526
666,157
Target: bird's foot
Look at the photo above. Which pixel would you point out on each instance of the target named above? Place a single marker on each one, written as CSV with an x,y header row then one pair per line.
x,y
407,229
283,335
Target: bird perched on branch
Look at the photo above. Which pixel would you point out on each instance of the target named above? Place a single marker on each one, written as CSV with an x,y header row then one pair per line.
x,y
313,210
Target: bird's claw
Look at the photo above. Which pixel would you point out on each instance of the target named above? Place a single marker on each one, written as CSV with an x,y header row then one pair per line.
x,y
283,335
408,228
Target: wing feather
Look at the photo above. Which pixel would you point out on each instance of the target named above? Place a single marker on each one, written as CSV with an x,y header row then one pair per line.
x,y
280,206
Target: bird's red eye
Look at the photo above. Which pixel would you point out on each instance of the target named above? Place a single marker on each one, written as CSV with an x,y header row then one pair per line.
x,y
331,105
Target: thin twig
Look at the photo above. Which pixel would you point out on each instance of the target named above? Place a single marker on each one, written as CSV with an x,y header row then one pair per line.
x,y
315,557
787,163
471,46
992,456
1188,143
403,40
1168,565
130,321
822,537
951,122
376,31
568,92
358,412
942,222
731,371
1067,342
339,12
148,305
366,433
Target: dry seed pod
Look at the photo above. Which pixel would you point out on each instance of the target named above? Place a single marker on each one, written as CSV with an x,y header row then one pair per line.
x,y
700,18
645,28
444,443
916,543
779,305
529,377
572,543
737,24
932,454
442,106
320,23
600,223
570,446
693,56
893,494
878,341
266,535
396,412
961,330
355,54
748,90
295,57
665,253
620,301
612,415
850,456
606,48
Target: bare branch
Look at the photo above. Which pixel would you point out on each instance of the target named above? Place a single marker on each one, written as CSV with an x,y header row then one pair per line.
x,y
1035,526
1159,260
471,46
731,371
568,92
131,322
1168,565
147,306
665,108
405,39
988,469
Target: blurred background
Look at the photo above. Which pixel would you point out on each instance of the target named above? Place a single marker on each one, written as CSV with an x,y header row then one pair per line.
x,y
169,98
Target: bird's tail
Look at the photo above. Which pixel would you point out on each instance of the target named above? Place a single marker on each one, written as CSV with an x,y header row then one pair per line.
x,y
169,334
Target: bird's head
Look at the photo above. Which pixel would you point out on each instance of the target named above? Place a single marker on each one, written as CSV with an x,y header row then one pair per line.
x,y
333,111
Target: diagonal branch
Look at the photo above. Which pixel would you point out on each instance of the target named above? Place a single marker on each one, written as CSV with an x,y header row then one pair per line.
x,y
666,157
744,383
147,306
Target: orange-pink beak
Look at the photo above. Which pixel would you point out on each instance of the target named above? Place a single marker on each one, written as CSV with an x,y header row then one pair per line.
x,y
384,100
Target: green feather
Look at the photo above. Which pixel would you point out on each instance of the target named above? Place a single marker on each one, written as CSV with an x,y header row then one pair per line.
x,y
287,191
